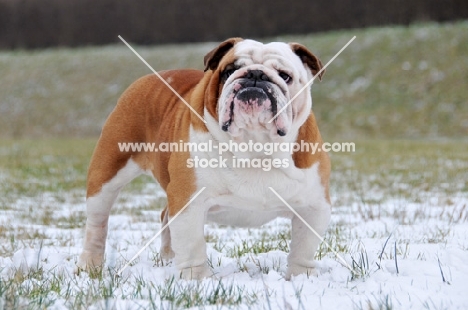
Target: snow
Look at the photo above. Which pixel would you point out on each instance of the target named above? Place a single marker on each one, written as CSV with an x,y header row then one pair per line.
x,y
430,239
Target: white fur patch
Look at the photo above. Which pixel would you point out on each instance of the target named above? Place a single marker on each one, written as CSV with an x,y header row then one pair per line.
x,y
97,210
241,196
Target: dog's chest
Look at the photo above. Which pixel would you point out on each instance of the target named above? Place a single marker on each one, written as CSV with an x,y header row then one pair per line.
x,y
249,188
245,198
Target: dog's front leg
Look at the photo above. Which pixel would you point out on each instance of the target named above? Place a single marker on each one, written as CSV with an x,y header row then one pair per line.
x,y
304,241
188,243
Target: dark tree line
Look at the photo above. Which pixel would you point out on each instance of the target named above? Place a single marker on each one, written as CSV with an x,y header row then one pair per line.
x,y
45,23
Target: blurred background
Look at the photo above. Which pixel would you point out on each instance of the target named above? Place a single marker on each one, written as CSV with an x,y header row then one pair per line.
x,y
62,67
49,23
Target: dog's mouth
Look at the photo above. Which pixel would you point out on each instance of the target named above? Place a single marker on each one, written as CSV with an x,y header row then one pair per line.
x,y
252,108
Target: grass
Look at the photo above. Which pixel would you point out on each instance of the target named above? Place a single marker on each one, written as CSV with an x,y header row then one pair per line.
x,y
46,165
195,294
398,82
36,289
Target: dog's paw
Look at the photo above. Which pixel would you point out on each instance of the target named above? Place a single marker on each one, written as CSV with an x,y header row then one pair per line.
x,y
196,273
295,270
166,253
90,263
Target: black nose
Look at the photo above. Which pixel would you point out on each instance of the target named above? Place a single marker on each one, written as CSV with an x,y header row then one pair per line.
x,y
257,75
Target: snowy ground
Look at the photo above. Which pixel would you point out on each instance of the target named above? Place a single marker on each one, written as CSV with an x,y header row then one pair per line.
x,y
404,255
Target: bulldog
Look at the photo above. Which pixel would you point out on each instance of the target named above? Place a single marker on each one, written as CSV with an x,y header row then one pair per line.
x,y
237,97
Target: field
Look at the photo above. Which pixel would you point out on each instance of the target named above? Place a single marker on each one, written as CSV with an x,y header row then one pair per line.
x,y
400,202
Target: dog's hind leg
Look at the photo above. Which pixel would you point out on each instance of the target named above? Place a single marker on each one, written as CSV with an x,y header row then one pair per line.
x,y
107,174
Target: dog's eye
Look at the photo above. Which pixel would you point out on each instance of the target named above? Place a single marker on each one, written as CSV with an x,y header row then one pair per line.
x,y
286,77
227,73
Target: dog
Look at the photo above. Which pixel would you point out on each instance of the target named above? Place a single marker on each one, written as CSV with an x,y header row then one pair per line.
x,y
249,92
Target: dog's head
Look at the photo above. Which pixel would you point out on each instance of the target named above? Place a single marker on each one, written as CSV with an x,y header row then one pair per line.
x,y
259,82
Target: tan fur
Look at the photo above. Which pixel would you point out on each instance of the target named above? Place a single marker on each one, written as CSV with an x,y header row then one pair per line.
x,y
309,133
149,112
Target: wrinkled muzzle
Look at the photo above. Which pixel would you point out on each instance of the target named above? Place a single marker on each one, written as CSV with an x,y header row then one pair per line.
x,y
252,107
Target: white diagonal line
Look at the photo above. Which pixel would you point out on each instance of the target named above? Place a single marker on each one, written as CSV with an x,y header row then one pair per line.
x,y
159,232
162,80
311,80
313,230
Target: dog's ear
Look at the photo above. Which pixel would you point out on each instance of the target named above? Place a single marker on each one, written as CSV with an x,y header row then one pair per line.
x,y
308,58
213,58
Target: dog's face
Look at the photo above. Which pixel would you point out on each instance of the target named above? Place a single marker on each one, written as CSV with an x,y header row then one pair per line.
x,y
256,82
